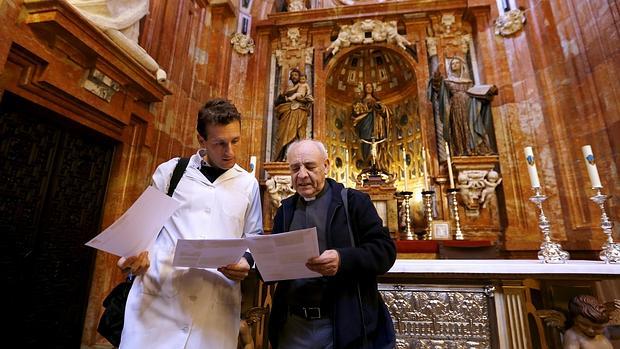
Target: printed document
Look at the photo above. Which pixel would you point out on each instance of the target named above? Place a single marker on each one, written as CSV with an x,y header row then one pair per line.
x,y
284,256
137,228
208,253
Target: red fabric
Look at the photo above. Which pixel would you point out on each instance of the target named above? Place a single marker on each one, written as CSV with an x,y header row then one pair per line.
x,y
431,246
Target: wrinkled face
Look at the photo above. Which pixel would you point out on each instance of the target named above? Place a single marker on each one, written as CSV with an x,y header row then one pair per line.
x,y
221,143
588,327
308,169
294,77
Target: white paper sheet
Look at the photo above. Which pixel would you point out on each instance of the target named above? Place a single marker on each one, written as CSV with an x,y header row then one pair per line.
x,y
208,253
284,256
137,228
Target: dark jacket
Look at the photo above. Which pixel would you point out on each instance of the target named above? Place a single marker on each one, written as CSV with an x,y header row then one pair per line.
x,y
373,255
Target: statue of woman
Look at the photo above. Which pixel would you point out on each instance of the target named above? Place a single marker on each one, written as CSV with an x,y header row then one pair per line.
x,y
371,121
455,107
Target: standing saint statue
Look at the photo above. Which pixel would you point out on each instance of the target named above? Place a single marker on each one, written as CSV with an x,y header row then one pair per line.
x,y
454,107
371,120
292,110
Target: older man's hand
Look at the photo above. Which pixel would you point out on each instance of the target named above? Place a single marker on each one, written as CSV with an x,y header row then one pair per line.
x,y
326,264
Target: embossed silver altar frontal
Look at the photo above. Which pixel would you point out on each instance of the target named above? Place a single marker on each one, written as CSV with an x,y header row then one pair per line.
x,y
448,317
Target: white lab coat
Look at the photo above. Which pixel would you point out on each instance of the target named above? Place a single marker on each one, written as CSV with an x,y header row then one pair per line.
x,y
171,307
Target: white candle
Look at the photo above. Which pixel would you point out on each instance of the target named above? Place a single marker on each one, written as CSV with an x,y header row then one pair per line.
x,y
591,166
346,167
531,167
405,167
252,165
450,174
424,169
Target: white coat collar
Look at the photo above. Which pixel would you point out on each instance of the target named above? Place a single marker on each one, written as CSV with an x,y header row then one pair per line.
x,y
196,161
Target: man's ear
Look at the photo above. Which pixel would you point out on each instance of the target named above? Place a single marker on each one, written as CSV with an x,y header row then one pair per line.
x,y
326,166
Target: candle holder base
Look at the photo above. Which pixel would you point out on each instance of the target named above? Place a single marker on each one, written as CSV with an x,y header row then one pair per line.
x,y
550,252
610,252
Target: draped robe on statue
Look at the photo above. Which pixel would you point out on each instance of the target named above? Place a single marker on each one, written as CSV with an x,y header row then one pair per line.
x,y
370,119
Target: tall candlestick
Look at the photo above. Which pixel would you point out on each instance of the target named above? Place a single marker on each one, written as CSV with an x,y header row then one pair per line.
x,y
405,167
346,167
424,169
531,167
588,156
450,174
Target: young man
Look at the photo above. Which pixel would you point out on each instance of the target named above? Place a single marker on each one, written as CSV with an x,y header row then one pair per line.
x,y
170,307
326,312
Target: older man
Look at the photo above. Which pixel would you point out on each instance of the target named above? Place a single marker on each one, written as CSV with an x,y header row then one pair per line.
x,y
343,308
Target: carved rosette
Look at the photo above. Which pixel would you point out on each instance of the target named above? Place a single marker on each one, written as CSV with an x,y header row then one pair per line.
x,y
510,22
368,31
242,43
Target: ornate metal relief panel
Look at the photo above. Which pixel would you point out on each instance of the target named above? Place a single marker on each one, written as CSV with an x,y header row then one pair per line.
x,y
439,317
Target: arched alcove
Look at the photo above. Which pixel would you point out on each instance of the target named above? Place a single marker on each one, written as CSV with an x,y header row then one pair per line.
x,y
394,78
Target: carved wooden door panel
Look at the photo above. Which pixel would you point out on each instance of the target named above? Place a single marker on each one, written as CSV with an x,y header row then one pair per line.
x,y
54,178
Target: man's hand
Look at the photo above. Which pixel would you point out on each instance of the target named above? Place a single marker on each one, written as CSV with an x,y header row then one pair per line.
x,y
236,272
326,264
137,265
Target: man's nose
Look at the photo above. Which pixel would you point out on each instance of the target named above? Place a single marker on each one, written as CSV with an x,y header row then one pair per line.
x,y
303,172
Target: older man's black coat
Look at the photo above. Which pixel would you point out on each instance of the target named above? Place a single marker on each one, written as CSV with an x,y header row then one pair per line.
x,y
373,255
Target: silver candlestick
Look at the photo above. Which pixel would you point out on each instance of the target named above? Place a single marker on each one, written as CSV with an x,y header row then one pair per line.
x,y
455,213
550,252
427,196
406,195
610,252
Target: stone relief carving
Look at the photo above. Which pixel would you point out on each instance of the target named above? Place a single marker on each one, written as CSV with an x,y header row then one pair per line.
x,y
101,85
432,317
242,43
368,31
279,188
510,22
477,189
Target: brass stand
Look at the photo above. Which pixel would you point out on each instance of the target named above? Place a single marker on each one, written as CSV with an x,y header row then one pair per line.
x,y
406,195
455,212
427,197
550,252
610,252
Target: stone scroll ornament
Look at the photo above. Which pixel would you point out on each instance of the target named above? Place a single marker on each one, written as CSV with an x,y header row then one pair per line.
x,y
510,22
242,43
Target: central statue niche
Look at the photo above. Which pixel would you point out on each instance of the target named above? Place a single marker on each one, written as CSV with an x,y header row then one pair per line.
x,y
373,125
